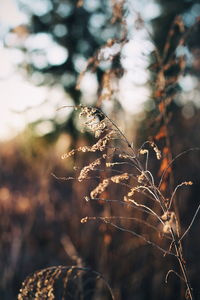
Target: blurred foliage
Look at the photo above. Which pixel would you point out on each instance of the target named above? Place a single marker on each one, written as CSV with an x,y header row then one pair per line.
x,y
174,71
63,39
59,42
189,10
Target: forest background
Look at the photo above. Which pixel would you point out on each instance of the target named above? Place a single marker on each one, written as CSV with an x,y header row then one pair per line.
x,y
113,45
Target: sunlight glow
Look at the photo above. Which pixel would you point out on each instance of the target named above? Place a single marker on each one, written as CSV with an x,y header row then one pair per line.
x,y
17,94
38,7
14,17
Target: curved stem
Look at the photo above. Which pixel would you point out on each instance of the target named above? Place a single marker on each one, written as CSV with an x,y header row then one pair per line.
x,y
179,256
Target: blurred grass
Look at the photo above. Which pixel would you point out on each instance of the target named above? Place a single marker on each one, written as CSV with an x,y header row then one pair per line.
x,y
40,226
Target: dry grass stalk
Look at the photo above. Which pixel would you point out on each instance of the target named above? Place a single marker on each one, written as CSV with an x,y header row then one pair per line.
x,y
46,283
162,215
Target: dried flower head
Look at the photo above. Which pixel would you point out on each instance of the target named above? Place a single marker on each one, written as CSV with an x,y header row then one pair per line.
x,y
66,155
84,172
119,178
84,220
141,177
100,188
169,219
132,191
87,111
157,151
188,183
102,143
126,156
143,151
